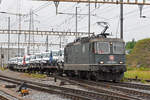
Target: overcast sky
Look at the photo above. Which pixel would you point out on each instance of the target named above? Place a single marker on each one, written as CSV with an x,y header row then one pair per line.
x,y
134,26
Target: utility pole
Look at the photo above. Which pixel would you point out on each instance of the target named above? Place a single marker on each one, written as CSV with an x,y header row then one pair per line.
x,y
31,28
47,43
28,49
76,21
34,43
33,47
60,42
19,35
89,19
8,36
19,15
121,20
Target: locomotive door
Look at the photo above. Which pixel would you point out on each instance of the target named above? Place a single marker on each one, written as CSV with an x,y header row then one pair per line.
x,y
91,53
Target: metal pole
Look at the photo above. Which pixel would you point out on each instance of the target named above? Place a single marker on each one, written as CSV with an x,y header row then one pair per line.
x,y
29,32
47,43
76,21
121,20
60,41
33,30
8,36
89,19
19,35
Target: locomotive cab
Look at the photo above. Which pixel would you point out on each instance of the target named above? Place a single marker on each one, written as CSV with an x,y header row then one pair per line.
x,y
109,56
109,52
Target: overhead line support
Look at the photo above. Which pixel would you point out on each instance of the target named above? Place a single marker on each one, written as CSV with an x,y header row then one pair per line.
x,y
135,2
55,33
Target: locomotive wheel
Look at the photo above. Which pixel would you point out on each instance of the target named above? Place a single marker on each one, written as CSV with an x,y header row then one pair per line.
x,y
89,75
95,76
114,81
82,75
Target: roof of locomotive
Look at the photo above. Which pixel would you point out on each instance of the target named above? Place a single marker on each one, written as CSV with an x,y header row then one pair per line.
x,y
93,39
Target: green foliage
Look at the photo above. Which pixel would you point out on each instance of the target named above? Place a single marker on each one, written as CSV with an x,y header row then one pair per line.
x,y
140,55
2,68
143,81
143,75
35,75
131,68
138,69
130,45
124,80
144,69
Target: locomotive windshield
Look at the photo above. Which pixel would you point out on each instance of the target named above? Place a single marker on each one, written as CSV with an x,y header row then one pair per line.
x,y
118,48
102,48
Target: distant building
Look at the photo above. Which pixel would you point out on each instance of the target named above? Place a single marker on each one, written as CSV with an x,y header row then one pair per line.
x,y
13,52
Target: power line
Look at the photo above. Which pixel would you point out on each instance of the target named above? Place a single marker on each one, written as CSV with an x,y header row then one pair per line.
x,y
126,14
55,17
35,10
42,7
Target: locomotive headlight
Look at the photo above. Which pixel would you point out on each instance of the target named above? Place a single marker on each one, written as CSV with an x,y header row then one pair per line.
x,y
110,43
101,62
121,62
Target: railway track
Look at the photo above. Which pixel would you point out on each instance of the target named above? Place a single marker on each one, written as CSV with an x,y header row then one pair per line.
x,y
111,88
6,94
67,92
3,98
132,91
130,85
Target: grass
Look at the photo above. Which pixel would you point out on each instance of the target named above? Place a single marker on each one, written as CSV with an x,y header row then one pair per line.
x,y
2,68
141,73
35,75
138,69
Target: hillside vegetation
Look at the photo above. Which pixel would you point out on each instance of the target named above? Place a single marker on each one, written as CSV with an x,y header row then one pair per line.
x,y
140,55
130,45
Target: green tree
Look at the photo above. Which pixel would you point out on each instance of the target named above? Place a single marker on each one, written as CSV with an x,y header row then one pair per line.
x,y
130,45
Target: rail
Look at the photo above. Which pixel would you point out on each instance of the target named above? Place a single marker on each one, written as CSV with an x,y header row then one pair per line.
x,y
66,92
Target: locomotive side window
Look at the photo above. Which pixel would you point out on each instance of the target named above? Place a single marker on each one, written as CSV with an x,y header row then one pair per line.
x,y
102,48
118,48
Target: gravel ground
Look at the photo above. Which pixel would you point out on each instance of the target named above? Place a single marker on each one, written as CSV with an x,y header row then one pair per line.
x,y
7,96
47,80
43,96
36,95
33,94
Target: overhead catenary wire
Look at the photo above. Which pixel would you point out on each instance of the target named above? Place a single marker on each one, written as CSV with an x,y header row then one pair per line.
x,y
130,15
54,17
34,11
82,17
